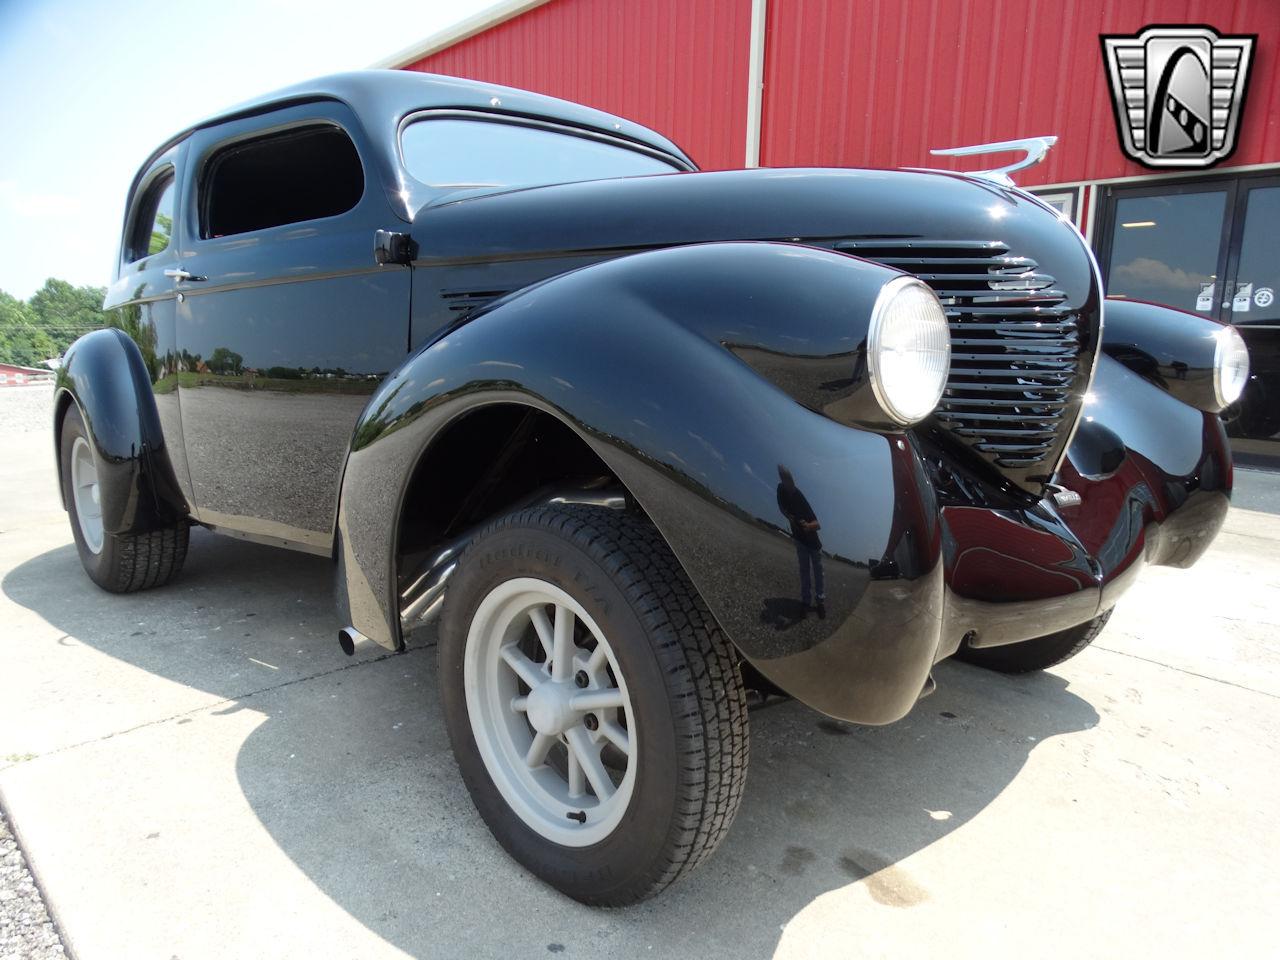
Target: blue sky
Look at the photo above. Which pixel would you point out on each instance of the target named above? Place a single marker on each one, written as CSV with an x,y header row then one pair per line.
x,y
88,89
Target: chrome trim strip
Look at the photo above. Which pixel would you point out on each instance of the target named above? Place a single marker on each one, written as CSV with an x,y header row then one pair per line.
x,y
519,120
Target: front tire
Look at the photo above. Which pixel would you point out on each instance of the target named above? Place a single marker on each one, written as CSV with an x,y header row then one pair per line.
x,y
595,710
118,563
1038,654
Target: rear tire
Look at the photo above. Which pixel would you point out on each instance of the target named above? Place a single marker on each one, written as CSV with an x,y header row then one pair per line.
x,y
118,563
1037,654
673,741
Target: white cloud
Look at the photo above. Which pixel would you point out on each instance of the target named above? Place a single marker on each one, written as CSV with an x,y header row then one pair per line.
x,y
1157,273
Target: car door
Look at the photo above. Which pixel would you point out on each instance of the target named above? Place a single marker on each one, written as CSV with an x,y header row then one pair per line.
x,y
285,323
142,299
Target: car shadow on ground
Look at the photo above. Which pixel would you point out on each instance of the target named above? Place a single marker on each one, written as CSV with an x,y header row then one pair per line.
x,y
352,776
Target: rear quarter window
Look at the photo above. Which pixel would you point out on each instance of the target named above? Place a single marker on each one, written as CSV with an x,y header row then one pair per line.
x,y
289,177
152,227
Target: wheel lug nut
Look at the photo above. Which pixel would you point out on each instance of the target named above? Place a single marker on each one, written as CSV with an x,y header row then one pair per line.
x,y
590,722
581,678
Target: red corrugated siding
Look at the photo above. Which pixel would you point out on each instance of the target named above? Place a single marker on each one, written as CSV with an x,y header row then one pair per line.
x,y
879,82
678,66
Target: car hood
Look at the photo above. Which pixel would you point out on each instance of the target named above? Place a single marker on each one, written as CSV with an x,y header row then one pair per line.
x,y
1017,283
820,206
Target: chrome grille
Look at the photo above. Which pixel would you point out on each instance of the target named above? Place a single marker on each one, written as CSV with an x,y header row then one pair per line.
x,y
1014,345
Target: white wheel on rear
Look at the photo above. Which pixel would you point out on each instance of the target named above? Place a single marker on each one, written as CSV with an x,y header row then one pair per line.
x,y
84,487
119,561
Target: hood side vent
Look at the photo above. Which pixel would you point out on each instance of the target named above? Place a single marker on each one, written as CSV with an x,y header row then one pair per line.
x,y
1015,365
468,301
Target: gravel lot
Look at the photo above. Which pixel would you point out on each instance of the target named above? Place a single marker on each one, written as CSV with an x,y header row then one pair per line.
x,y
25,928
25,410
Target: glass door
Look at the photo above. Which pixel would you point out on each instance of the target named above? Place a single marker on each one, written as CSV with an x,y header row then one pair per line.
x,y
1168,244
1254,271
1210,247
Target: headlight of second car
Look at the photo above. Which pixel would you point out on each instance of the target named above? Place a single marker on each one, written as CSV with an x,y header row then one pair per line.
x,y
908,350
1230,366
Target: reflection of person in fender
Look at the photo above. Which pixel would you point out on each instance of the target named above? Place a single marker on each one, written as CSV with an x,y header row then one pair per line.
x,y
804,531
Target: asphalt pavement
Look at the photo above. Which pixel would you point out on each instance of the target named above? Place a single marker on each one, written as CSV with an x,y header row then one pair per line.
x,y
197,771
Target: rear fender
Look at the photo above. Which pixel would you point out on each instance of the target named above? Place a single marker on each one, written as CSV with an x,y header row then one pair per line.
x,y
658,362
104,374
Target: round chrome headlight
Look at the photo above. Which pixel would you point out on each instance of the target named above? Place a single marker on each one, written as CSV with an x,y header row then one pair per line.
x,y
1230,366
908,350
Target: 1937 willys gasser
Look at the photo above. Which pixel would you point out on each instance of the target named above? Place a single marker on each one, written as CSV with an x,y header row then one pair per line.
x,y
640,438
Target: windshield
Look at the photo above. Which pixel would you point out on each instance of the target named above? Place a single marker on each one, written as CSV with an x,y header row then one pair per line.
x,y
454,154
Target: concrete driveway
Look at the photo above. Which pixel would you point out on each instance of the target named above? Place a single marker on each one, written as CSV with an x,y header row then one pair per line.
x,y
197,771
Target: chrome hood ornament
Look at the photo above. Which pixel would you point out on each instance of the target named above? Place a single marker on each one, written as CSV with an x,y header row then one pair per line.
x,y
1033,150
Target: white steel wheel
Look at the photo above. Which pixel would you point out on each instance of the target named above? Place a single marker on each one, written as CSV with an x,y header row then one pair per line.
x,y
84,487
550,711
595,710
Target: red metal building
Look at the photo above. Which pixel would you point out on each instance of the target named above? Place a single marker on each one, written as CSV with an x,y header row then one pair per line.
x,y
12,375
878,83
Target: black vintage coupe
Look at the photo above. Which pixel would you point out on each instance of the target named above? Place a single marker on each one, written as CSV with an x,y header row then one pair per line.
x,y
643,440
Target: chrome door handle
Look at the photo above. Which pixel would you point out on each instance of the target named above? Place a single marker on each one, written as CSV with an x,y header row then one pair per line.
x,y
177,273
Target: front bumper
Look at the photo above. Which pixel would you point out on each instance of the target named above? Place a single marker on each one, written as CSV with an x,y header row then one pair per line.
x,y
962,564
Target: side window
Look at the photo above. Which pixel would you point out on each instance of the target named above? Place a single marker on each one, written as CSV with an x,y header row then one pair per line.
x,y
301,174
153,223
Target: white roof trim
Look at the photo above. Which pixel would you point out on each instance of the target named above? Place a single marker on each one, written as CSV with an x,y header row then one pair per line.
x,y
482,21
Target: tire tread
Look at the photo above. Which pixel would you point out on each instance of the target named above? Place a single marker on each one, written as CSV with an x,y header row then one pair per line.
x,y
127,562
701,668
148,560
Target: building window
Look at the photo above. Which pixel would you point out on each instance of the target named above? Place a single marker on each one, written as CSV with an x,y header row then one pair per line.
x,y
1166,249
1066,202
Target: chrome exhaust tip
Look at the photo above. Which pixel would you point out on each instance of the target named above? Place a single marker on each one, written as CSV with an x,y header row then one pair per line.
x,y
349,638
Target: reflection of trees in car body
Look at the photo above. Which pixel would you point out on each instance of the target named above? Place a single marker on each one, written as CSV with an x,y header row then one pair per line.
x,y
160,234
224,360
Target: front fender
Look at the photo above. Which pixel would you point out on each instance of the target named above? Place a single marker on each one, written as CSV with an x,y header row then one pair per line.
x,y
1173,349
659,362
104,374
1154,475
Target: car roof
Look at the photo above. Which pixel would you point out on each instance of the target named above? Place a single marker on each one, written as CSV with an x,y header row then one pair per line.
x,y
382,98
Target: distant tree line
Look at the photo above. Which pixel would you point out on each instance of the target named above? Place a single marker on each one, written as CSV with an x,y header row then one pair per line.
x,y
35,330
